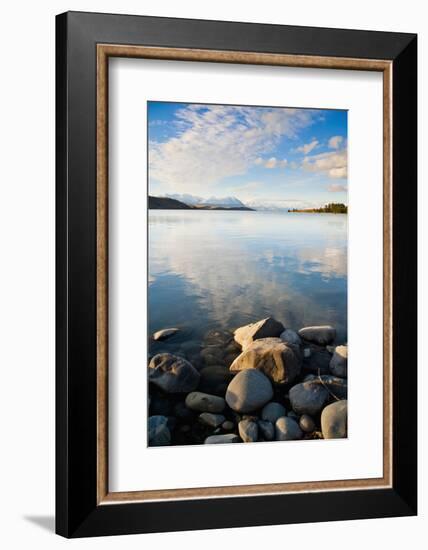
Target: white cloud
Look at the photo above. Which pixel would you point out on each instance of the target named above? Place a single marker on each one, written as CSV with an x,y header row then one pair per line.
x,y
271,163
335,142
308,147
336,188
334,164
215,142
275,163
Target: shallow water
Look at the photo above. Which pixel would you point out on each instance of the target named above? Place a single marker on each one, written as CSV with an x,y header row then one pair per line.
x,y
224,269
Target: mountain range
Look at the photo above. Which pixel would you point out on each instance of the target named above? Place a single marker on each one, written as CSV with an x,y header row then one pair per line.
x,y
169,203
186,200
193,200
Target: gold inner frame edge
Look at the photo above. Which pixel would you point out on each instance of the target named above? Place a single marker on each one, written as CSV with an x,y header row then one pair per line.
x,y
104,51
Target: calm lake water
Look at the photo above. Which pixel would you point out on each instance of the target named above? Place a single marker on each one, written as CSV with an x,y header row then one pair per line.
x,y
224,269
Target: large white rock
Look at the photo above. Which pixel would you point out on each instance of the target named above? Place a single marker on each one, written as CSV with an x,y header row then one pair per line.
x,y
265,328
249,391
277,360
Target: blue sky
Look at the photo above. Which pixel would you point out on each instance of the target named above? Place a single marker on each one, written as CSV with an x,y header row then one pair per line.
x,y
287,156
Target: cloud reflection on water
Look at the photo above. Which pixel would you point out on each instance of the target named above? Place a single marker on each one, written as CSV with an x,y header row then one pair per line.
x,y
225,269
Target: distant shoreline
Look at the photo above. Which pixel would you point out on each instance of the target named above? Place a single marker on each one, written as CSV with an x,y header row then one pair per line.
x,y
168,203
331,208
165,203
313,212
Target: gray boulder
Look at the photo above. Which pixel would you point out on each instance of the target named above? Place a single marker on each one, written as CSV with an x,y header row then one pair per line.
x,y
287,429
248,430
277,360
223,438
265,328
165,333
249,390
321,335
159,433
290,337
267,430
204,402
339,362
272,411
334,420
212,420
308,397
173,374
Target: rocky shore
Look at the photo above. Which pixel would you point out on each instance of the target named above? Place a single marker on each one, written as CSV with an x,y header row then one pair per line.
x,y
262,382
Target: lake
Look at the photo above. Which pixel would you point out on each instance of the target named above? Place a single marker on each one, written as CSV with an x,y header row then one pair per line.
x,y
224,269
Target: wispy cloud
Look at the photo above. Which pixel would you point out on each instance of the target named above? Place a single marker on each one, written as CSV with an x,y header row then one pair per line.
x,y
308,147
214,142
272,162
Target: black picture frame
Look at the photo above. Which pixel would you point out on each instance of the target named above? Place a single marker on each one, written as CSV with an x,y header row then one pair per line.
x,y
77,512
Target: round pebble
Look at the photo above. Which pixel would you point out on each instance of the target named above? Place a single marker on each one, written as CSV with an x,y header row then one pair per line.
x,y
306,423
287,429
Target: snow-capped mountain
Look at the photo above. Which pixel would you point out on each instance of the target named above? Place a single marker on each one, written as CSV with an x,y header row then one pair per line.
x,y
233,202
223,201
226,202
185,197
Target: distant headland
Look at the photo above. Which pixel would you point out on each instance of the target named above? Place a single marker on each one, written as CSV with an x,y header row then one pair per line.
x,y
331,208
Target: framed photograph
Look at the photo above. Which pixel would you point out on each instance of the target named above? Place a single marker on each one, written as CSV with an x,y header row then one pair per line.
x,y
236,274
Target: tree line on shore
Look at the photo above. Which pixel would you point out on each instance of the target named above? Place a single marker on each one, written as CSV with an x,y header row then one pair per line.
x,y
330,208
